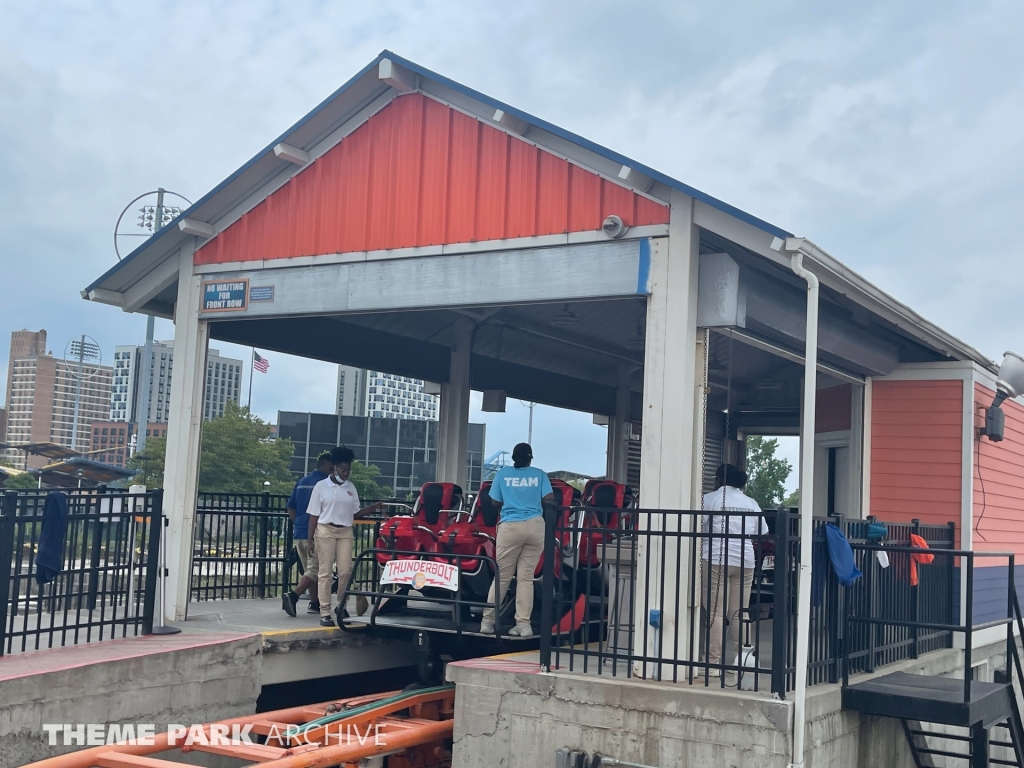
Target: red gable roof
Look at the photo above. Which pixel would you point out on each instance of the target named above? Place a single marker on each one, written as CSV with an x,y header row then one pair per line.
x,y
420,173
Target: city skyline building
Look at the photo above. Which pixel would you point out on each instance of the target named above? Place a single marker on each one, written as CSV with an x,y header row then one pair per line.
x,y
41,394
111,441
403,450
223,382
376,394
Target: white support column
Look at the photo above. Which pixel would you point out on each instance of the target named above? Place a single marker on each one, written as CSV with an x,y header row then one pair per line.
x,y
668,425
453,415
618,430
184,429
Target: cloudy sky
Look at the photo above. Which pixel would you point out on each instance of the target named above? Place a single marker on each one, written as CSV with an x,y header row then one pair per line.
x,y
890,133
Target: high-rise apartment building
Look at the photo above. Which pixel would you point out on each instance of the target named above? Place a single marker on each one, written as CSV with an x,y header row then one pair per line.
x,y
41,395
383,395
223,382
351,391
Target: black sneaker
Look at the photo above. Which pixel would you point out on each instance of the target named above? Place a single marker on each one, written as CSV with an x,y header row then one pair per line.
x,y
326,621
313,607
288,602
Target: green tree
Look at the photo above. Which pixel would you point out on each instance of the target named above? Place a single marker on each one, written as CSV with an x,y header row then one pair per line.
x,y
150,463
364,478
23,480
766,474
793,500
236,455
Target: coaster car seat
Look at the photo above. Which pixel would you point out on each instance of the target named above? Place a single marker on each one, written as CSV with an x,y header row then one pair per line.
x,y
419,532
567,500
603,519
472,533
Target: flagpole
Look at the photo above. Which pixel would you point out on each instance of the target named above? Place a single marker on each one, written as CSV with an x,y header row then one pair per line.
x,y
252,368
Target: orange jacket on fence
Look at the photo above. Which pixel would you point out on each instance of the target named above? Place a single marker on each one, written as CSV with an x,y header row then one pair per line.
x,y
923,558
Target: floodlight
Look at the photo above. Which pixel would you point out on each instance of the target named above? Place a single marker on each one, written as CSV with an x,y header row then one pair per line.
x,y
1009,383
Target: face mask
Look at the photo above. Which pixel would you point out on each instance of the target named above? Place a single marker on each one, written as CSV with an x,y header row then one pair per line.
x,y
336,479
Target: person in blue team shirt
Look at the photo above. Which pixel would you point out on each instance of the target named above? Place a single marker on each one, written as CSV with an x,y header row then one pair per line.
x,y
519,492
297,505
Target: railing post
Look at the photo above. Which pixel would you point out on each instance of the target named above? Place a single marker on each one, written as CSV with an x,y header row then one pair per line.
x,y
156,533
7,523
951,591
261,568
969,629
780,604
837,598
915,602
547,590
96,551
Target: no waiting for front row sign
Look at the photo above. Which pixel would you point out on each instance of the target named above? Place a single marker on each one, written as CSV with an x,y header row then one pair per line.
x,y
226,295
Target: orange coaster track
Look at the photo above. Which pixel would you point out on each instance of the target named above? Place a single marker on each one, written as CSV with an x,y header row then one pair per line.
x,y
409,729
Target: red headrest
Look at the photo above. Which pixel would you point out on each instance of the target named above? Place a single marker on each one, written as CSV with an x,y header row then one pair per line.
x,y
606,493
563,492
433,498
484,512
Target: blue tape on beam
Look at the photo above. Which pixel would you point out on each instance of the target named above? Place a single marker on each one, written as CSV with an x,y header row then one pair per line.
x,y
644,270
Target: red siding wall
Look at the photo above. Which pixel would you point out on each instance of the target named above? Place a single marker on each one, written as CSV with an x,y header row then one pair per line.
x,y
999,480
916,440
419,173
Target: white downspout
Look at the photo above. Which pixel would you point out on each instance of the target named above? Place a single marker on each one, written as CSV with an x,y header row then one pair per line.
x,y
797,247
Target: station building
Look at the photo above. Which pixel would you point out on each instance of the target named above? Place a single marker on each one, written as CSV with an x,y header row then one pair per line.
x,y
414,226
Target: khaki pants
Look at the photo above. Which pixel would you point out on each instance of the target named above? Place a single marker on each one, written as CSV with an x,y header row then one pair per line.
x,y
519,548
723,581
333,545
307,557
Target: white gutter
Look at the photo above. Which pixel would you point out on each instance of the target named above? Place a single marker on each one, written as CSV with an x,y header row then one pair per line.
x,y
797,248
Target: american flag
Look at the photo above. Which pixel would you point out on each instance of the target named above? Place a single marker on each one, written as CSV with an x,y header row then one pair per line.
x,y
261,364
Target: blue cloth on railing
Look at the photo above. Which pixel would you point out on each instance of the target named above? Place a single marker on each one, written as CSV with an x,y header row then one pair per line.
x,y
831,547
50,557
841,554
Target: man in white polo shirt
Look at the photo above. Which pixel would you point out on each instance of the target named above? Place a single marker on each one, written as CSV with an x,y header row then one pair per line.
x,y
333,505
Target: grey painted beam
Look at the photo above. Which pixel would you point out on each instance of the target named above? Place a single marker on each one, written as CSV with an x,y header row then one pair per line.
x,y
564,273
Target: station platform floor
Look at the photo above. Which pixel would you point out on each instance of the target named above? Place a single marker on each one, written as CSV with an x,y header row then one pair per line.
x,y
276,635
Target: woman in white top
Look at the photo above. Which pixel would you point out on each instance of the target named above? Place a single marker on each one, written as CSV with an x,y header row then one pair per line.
x,y
727,565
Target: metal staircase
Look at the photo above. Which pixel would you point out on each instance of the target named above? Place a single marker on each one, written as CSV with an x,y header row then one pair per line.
x,y
953,721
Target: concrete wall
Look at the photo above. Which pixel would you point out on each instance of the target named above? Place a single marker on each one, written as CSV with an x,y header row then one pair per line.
x,y
190,685
511,717
505,718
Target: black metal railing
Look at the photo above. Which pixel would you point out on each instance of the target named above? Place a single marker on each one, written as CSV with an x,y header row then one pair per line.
x,y
243,548
241,545
615,602
460,603
863,613
684,596
887,589
108,558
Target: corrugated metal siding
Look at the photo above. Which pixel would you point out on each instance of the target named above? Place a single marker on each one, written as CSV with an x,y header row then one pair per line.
x,y
999,480
419,173
916,436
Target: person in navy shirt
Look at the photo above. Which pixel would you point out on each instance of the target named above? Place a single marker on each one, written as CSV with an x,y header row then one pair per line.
x,y
298,502
519,492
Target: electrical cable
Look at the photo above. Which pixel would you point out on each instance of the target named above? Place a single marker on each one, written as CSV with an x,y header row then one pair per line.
x,y
981,480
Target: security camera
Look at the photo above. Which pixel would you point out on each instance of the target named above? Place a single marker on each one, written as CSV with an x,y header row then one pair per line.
x,y
1010,383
